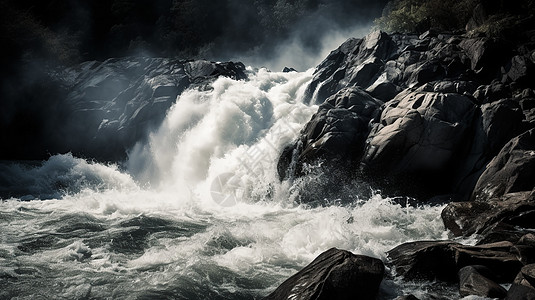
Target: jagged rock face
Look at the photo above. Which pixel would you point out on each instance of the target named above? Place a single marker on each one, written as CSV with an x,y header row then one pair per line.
x,y
419,134
108,106
512,170
451,102
334,274
336,132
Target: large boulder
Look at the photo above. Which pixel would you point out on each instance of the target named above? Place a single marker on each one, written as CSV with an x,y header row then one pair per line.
x,y
442,260
476,280
334,274
357,62
512,170
418,138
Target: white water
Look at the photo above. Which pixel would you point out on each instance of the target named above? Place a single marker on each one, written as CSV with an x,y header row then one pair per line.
x,y
197,213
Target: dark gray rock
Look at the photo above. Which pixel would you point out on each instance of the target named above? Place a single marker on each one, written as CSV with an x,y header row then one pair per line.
x,y
357,62
425,260
512,170
109,106
419,137
441,260
523,286
484,217
334,274
337,131
476,280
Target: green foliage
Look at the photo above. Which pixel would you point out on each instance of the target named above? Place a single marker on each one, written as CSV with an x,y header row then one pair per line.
x,y
420,15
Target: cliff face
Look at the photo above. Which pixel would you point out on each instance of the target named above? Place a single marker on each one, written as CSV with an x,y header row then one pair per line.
x,y
419,115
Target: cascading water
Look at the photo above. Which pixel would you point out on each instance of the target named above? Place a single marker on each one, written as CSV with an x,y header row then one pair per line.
x,y
197,212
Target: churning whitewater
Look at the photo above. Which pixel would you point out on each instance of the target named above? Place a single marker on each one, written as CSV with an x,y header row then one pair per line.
x,y
197,211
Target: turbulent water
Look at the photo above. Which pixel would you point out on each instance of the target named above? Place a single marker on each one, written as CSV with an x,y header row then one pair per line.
x,y
197,211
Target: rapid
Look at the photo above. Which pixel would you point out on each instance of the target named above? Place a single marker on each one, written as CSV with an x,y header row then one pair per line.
x,y
196,212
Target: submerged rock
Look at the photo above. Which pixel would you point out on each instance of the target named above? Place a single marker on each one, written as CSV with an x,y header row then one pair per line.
x,y
334,274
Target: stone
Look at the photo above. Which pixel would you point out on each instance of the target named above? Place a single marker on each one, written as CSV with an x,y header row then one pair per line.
x,y
476,280
512,170
425,260
337,131
441,260
334,274
486,55
419,136
523,286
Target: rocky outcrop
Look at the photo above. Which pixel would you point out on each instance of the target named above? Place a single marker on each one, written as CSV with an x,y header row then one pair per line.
x,y
102,108
334,274
337,132
450,103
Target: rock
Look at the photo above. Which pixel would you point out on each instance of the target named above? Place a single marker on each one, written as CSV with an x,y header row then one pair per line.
x,y
441,260
425,260
493,92
512,170
484,217
106,107
419,137
356,62
486,55
476,280
523,286
520,70
334,274
384,91
337,131
406,297
501,121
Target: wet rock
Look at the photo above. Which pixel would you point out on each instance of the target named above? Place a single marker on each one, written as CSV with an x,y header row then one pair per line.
x,y
486,217
486,55
520,70
337,131
406,297
334,274
425,260
501,121
356,62
476,280
111,105
441,260
512,170
419,136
